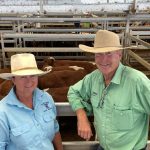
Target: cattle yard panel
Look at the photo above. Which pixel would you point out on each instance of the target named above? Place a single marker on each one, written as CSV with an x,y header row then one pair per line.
x,y
45,37
139,55
75,52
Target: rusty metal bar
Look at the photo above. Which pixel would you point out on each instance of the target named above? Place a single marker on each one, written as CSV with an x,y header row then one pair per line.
x,y
139,59
138,40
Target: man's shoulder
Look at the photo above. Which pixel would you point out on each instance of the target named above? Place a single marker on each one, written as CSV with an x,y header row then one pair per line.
x,y
134,74
95,73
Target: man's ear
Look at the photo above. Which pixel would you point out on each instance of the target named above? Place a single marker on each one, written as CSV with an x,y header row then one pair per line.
x,y
120,53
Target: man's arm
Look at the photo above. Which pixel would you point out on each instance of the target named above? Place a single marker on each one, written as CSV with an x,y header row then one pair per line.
x,y
84,127
79,99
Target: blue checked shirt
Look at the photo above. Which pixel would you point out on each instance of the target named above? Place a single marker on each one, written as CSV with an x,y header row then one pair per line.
x,y
22,128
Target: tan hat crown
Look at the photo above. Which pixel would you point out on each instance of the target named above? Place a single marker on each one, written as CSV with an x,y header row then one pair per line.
x,y
23,65
106,38
23,61
105,41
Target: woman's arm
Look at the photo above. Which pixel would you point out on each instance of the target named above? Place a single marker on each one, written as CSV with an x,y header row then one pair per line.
x,y
58,142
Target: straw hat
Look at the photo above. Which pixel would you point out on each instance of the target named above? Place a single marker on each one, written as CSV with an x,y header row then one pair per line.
x,y
23,65
105,41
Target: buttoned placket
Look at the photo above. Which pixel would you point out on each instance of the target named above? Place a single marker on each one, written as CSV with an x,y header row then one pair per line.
x,y
104,93
105,117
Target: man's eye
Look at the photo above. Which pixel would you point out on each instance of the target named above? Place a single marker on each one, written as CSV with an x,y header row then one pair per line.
x,y
109,53
33,76
22,77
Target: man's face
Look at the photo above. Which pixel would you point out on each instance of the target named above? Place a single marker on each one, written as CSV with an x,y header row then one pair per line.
x,y
25,84
108,62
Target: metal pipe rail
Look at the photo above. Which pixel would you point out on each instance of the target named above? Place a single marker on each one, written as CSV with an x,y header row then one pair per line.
x,y
139,33
51,37
81,145
79,29
43,49
139,59
60,20
60,30
9,41
86,145
144,17
143,43
64,109
129,36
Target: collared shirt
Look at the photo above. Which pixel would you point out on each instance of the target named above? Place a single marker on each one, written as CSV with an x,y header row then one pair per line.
x,y
120,110
22,128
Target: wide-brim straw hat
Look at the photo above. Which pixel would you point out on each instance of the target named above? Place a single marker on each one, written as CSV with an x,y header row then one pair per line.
x,y
105,41
23,65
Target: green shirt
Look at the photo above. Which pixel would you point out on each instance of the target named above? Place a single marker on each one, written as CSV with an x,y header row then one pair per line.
x,y
121,110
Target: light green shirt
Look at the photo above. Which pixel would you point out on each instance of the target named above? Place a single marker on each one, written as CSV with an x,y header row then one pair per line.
x,y
121,110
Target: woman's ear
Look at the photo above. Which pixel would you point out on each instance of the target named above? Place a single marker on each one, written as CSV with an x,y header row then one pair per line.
x,y
13,80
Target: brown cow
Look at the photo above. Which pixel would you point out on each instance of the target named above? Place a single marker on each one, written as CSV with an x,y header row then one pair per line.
x,y
59,94
61,78
88,66
5,87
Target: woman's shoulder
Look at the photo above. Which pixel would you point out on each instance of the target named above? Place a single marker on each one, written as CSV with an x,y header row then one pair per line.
x,y
3,104
45,96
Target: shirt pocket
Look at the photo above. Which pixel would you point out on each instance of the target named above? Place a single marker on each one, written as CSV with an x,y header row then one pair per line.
x,y
122,118
95,101
21,136
49,116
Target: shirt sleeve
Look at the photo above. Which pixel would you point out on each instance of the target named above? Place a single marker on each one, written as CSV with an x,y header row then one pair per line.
x,y
56,125
143,94
79,95
4,132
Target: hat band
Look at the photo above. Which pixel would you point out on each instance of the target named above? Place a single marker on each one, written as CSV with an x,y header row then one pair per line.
x,y
24,69
108,46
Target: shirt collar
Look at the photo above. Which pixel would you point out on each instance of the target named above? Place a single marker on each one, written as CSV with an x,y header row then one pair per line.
x,y
118,74
13,100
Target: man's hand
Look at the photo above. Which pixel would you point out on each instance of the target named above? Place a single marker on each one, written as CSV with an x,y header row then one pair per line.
x,y
84,127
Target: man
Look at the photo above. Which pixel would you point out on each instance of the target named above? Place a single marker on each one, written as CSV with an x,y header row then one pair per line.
x,y
118,96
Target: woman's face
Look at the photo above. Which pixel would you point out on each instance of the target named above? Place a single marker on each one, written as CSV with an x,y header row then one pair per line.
x,y
108,62
25,84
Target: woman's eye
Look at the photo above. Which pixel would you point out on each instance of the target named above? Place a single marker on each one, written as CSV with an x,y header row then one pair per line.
x,y
109,53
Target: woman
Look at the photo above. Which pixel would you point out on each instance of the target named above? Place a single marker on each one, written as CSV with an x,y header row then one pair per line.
x,y
27,114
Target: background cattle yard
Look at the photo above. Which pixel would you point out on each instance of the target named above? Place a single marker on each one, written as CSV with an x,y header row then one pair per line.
x,y
52,31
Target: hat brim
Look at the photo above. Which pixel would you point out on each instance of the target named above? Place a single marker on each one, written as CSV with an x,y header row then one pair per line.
x,y
27,72
101,49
